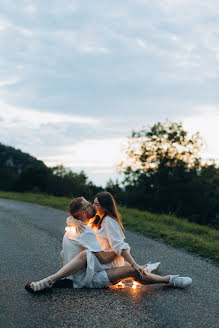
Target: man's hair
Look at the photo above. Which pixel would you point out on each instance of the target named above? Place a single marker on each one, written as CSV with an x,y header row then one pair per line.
x,y
75,205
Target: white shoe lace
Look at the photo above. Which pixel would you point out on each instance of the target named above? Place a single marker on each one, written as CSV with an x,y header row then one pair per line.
x,y
172,277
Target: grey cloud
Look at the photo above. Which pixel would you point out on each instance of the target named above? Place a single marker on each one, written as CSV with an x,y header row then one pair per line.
x,y
159,61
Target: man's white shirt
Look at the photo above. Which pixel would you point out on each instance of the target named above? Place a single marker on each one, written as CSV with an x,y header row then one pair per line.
x,y
73,244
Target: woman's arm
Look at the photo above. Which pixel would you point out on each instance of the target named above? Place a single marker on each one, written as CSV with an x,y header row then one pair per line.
x,y
114,235
116,240
128,258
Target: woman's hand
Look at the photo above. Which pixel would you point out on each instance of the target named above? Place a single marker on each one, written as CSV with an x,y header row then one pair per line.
x,y
78,224
141,269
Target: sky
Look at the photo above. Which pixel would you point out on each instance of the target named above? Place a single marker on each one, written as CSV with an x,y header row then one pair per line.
x,y
77,77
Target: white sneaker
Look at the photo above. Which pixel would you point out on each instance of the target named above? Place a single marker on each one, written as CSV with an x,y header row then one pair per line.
x,y
180,282
152,267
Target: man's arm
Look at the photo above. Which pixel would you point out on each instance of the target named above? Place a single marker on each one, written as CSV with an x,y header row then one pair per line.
x,y
88,240
105,257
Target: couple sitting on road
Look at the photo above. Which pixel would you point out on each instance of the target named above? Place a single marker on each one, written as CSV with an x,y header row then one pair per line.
x,y
94,251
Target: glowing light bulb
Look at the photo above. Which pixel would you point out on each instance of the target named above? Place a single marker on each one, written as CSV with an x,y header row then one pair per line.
x,y
70,229
120,285
73,230
134,285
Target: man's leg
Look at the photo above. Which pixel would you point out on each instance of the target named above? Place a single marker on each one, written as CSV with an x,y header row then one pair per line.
x,y
117,274
75,265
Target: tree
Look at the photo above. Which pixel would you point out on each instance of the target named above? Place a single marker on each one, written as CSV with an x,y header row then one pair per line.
x,y
21,172
33,178
164,144
164,173
115,189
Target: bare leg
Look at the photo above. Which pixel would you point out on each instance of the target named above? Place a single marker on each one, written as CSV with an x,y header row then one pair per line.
x,y
75,265
117,274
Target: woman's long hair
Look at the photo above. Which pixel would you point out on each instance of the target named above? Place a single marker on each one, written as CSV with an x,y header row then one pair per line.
x,y
108,203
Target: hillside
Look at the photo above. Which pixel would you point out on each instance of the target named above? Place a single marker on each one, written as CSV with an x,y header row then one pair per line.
x,y
22,172
16,160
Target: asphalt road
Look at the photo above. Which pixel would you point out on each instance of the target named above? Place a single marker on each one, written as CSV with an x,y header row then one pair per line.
x,y
30,241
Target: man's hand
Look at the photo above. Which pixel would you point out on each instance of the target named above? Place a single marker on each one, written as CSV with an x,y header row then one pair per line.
x,y
78,224
105,257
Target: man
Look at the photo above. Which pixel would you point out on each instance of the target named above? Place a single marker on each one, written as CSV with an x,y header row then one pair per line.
x,y
83,248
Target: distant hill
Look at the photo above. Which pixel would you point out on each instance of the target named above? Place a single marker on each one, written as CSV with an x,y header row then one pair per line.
x,y
20,171
17,160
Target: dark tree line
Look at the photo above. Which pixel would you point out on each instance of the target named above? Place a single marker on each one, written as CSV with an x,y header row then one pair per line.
x,y
21,172
164,174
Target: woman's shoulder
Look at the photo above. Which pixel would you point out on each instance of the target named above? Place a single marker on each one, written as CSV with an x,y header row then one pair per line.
x,y
109,220
111,223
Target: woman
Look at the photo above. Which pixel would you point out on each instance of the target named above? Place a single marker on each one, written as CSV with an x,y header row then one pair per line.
x,y
108,228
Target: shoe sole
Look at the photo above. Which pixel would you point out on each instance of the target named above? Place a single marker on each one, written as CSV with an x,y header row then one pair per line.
x,y
156,269
176,287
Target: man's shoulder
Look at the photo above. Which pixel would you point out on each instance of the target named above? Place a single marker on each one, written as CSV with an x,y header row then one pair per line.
x,y
89,240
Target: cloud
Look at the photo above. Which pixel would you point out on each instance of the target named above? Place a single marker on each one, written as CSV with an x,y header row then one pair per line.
x,y
60,138
98,158
41,133
36,119
12,81
4,24
30,9
205,120
94,153
84,40
85,60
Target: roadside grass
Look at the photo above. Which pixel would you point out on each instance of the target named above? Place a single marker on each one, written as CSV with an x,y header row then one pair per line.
x,y
180,233
60,203
176,232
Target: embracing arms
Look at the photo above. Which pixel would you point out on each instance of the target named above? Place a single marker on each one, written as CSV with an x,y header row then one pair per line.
x,y
103,257
116,241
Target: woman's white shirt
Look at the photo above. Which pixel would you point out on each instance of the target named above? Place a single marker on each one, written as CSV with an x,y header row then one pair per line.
x,y
111,238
